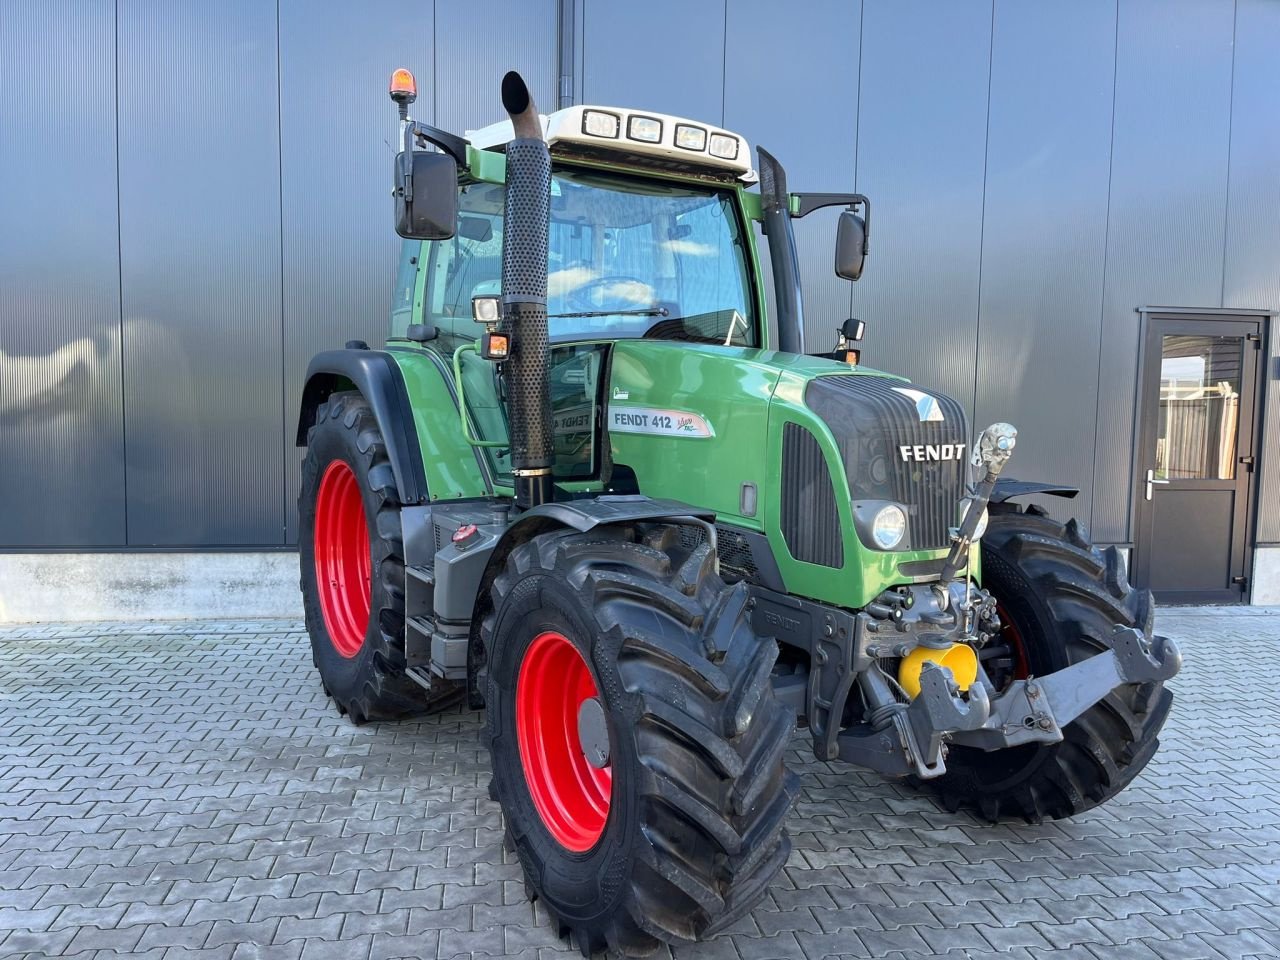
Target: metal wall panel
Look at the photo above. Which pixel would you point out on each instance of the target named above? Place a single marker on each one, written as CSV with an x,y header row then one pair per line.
x,y
200,267
1168,198
1043,233
804,110
61,443
1252,266
338,134
921,149
662,55
469,65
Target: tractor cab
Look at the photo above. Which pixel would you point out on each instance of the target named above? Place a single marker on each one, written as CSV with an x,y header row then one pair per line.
x,y
650,237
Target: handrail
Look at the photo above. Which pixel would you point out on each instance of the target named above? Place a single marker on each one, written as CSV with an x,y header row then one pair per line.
x,y
462,401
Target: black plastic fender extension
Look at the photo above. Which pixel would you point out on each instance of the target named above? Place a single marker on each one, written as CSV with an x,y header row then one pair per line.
x,y
581,515
379,381
1009,489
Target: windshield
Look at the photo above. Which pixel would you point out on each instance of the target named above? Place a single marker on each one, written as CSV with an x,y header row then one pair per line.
x,y
628,257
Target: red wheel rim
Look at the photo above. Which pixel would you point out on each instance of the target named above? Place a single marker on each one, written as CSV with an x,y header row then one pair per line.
x,y
571,795
1013,636
343,561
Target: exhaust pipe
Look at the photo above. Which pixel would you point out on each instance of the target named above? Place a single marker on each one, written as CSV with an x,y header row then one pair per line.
x,y
524,296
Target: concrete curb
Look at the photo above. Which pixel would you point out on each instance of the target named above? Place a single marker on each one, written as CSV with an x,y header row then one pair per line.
x,y
42,587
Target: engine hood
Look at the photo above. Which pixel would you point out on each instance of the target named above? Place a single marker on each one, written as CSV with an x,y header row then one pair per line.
x,y
790,446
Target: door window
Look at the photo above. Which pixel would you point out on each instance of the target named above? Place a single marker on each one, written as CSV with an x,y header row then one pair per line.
x,y
1199,407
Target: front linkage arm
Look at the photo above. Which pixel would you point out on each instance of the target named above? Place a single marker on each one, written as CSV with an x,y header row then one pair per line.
x,y
912,739
1036,710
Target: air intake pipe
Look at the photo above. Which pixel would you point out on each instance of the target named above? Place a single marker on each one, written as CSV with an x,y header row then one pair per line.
x,y
524,296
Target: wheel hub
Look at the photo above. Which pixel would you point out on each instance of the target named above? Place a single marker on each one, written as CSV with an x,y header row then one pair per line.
x,y
563,734
593,733
343,560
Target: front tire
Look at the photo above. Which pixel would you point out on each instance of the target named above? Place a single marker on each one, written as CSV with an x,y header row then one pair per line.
x,y
351,561
1058,597
681,828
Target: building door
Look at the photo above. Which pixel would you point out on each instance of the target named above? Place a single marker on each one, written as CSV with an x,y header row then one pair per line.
x,y
1195,479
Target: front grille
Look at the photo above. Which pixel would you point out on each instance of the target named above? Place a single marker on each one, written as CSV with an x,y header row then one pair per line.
x,y
871,422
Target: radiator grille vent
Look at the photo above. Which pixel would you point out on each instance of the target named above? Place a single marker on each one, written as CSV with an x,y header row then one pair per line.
x,y
810,521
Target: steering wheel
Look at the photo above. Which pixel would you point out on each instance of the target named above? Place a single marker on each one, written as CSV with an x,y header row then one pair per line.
x,y
581,297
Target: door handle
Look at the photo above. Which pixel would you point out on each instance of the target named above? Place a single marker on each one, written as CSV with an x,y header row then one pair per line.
x,y
1151,481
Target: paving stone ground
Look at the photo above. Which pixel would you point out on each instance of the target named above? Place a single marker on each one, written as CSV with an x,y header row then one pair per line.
x,y
185,790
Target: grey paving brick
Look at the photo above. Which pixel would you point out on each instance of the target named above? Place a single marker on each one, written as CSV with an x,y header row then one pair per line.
x,y
184,790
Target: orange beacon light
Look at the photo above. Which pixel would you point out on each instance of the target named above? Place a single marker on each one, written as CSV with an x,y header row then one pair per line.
x,y
403,90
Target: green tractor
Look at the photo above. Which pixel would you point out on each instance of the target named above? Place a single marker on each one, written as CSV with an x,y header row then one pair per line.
x,y
589,486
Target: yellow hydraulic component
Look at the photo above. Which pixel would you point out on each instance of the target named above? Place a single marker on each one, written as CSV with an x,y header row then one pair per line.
x,y
959,658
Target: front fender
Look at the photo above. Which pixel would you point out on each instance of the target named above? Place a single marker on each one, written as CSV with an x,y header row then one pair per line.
x,y
580,515
1009,489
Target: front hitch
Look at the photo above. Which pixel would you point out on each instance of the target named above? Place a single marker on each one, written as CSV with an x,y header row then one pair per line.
x,y
1036,710
911,739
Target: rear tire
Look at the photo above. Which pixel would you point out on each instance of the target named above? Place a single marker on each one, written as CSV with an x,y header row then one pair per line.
x,y
692,828
356,622
1059,597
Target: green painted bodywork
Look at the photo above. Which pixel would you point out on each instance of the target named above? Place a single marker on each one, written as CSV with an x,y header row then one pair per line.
x,y
746,395
453,472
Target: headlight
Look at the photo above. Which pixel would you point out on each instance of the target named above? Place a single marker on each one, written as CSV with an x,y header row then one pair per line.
x,y
981,528
889,527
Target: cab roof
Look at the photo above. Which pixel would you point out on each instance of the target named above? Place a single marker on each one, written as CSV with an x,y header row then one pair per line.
x,y
643,136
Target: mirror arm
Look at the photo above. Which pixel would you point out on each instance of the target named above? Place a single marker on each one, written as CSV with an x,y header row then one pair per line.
x,y
414,131
806,203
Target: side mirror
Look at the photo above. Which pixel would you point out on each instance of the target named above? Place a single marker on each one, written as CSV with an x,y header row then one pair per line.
x,y
851,245
426,193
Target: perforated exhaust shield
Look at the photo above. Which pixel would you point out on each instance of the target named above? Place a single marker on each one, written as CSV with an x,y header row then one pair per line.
x,y
524,296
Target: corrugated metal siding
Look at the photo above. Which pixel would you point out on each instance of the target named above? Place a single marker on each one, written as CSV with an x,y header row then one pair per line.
x,y
61,456
200,267
1043,230
664,55
808,118
338,135
481,40
921,155
1168,198
1252,265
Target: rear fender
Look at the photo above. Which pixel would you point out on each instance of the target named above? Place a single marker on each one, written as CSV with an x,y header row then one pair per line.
x,y
377,377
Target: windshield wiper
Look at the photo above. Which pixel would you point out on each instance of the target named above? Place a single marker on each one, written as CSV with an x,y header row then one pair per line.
x,y
643,312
